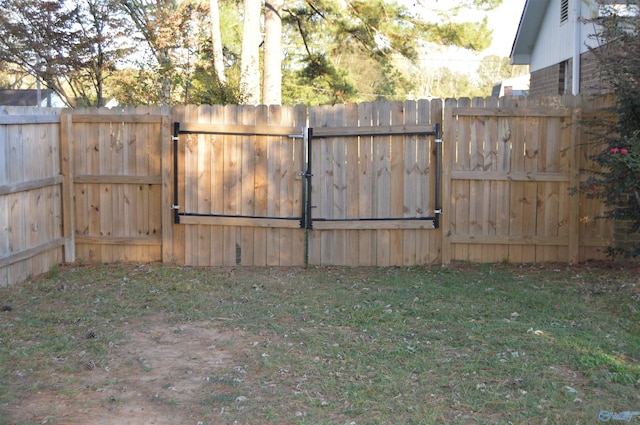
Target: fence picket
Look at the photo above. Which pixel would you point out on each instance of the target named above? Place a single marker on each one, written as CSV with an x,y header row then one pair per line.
x,y
396,184
204,253
412,185
367,241
430,245
352,168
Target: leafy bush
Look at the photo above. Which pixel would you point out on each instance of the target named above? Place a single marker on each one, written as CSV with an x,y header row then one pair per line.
x,y
618,184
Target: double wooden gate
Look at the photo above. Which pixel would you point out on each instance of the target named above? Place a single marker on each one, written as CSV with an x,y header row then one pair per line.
x,y
350,184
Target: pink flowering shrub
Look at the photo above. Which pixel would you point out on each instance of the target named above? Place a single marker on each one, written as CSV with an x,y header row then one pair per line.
x,y
618,184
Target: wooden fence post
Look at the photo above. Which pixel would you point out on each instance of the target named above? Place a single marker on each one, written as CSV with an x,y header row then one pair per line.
x,y
166,167
435,242
574,182
66,169
448,140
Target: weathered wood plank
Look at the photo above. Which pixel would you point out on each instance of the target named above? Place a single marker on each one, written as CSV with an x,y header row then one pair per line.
x,y
429,244
574,181
261,187
179,231
396,184
352,195
260,222
204,189
287,196
191,150
515,176
390,224
412,190
395,129
216,193
448,155
166,150
366,178
31,252
382,188
8,189
114,179
337,168
258,129
106,116
510,112
120,240
29,119
515,240
232,186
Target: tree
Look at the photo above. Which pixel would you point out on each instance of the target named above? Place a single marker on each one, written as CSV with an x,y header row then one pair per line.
x,y
272,75
158,24
250,61
216,41
71,48
102,31
13,77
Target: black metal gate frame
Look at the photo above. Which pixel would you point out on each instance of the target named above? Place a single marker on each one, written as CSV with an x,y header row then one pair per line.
x,y
375,131
232,130
306,220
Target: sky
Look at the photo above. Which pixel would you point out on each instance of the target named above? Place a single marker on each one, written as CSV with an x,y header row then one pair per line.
x,y
503,21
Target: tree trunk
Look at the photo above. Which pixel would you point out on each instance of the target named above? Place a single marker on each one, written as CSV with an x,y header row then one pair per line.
x,y
250,60
216,41
272,77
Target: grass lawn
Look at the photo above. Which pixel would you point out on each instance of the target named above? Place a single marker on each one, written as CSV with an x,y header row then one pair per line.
x,y
467,344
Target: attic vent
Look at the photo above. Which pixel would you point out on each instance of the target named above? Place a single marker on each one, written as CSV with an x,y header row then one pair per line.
x,y
564,11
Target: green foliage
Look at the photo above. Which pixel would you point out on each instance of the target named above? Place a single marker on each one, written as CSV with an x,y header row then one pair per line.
x,y
328,84
469,35
618,182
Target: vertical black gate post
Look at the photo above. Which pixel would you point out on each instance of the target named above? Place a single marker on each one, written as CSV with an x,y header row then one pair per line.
x,y
438,208
175,138
306,191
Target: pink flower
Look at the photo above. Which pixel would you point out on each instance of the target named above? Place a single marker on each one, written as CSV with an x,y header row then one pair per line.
x,y
623,151
614,150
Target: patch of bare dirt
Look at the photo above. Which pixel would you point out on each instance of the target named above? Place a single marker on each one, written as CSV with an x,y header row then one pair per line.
x,y
156,377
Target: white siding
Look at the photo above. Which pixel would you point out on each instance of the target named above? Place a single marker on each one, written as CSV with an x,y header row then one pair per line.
x,y
555,41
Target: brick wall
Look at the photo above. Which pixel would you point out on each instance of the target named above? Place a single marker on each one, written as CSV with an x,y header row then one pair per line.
x,y
593,79
556,79
545,82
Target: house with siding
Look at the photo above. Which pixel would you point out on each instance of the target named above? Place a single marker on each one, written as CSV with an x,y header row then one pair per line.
x,y
555,38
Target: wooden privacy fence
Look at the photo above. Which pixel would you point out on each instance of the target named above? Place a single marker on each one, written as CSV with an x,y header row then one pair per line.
x,y
368,184
30,194
510,168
